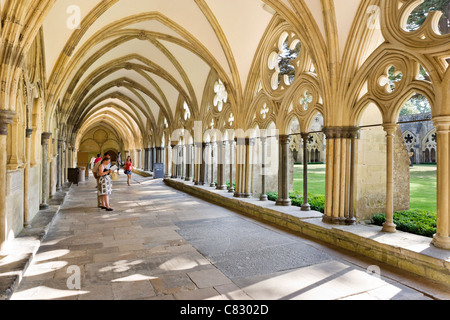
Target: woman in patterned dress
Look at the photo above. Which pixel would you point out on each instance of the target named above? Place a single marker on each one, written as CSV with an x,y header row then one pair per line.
x,y
105,182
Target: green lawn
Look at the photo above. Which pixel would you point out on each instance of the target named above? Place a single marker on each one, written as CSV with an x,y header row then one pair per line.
x,y
423,187
316,178
423,184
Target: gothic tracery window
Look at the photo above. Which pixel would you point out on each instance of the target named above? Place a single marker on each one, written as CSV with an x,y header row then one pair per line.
x,y
281,61
221,96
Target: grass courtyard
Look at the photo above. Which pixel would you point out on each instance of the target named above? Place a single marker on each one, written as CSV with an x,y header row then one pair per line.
x,y
423,184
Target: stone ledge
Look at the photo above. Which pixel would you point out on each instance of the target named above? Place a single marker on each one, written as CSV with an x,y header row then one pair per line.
x,y
20,252
142,173
402,250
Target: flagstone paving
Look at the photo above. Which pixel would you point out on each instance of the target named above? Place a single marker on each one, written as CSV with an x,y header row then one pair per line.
x,y
163,244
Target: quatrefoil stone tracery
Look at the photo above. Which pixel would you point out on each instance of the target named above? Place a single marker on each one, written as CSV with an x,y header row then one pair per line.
x,y
231,120
264,111
285,47
187,112
390,79
306,100
221,96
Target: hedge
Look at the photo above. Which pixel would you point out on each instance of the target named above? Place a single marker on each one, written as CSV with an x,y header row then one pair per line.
x,y
415,221
317,202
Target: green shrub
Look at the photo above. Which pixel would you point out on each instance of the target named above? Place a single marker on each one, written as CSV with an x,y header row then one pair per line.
x,y
414,221
317,202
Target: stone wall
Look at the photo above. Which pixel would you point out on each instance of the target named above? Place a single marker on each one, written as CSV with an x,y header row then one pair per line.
x,y
371,173
401,174
371,170
35,185
14,203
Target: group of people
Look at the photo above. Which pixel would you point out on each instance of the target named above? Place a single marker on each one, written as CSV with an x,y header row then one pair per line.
x,y
102,173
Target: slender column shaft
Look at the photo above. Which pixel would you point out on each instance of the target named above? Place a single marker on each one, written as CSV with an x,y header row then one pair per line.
x,y
188,163
26,187
58,167
174,161
336,179
213,157
442,237
389,225
283,175
183,162
240,156
305,206
146,159
197,162
221,147
167,166
344,181
329,179
231,188
351,193
204,163
248,165
263,196
44,143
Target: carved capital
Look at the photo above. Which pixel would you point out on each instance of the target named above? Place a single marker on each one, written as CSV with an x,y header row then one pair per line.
x,y
284,139
28,133
45,137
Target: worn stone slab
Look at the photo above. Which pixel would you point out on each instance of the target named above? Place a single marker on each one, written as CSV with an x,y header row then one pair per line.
x,y
412,253
208,278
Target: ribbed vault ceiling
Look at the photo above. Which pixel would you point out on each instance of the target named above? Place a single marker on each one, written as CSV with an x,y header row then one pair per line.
x,y
133,60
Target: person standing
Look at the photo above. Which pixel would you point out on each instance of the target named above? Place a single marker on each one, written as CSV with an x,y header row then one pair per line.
x,y
129,169
105,184
99,158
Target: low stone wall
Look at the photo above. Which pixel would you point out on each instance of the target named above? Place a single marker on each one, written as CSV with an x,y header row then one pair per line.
x,y
398,250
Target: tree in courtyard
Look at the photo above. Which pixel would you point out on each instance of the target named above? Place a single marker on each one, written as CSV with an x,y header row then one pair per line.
x,y
419,15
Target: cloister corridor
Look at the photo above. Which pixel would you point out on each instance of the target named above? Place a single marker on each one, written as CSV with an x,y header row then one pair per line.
x,y
161,244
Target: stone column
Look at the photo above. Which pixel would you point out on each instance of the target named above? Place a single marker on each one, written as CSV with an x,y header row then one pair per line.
x,y
231,188
221,161
44,143
305,204
167,165
174,160
204,163
240,160
340,175
139,158
147,159
212,155
153,160
26,187
6,118
182,162
263,196
283,171
63,162
197,162
58,167
188,163
158,155
249,156
181,170
442,237
244,167
351,218
389,225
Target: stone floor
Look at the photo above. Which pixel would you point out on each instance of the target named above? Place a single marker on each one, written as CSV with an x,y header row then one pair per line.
x,y
161,244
